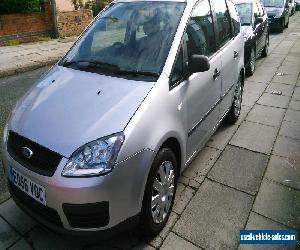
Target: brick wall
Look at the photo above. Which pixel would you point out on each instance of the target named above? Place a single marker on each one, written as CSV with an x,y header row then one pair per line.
x,y
72,23
19,26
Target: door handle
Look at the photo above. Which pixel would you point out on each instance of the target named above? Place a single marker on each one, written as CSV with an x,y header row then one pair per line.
x,y
235,54
217,73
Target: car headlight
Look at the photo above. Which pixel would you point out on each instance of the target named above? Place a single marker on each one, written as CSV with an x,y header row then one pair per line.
x,y
95,158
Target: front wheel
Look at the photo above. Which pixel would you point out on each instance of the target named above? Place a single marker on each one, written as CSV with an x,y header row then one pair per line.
x,y
159,192
236,106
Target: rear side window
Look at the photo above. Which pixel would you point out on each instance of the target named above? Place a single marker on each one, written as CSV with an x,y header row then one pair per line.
x,y
223,22
200,36
255,10
260,8
235,20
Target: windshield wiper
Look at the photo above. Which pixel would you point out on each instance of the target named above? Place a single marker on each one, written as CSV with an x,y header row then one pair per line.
x,y
136,73
91,64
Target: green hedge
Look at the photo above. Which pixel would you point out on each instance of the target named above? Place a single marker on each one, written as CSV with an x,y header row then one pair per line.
x,y
19,6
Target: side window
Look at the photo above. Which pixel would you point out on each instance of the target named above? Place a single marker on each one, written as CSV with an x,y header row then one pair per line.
x,y
255,9
223,21
260,9
177,72
200,36
235,20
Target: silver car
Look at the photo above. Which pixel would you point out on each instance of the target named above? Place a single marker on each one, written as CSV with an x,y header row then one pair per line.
x,y
98,143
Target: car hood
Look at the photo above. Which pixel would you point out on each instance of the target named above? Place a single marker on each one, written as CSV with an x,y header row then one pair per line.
x,y
271,11
68,108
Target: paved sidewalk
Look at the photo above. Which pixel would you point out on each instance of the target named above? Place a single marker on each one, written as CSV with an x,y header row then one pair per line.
x,y
25,57
247,176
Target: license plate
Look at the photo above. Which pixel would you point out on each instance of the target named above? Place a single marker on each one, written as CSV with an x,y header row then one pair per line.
x,y
28,186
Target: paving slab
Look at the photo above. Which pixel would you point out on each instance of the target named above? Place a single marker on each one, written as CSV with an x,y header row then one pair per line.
x,y
286,147
290,129
274,100
181,202
284,171
285,89
202,163
295,105
21,244
254,136
257,87
244,112
287,79
7,234
16,217
173,242
222,136
240,168
212,219
266,115
279,203
250,98
296,95
257,221
263,74
292,115
40,238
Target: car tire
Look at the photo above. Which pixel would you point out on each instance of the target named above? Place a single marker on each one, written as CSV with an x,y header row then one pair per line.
x,y
236,106
251,67
265,51
157,204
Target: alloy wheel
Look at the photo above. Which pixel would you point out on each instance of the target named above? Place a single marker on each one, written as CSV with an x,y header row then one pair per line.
x,y
162,192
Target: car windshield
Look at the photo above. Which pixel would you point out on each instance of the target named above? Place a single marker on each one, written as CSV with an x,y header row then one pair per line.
x,y
131,38
245,13
273,3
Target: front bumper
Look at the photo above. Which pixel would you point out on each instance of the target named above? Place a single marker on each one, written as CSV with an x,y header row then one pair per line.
x,y
119,192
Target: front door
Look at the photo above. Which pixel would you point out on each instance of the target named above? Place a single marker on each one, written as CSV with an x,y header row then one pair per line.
x,y
203,89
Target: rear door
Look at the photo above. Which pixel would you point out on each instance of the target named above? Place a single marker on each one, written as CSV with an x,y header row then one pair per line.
x,y
264,25
229,53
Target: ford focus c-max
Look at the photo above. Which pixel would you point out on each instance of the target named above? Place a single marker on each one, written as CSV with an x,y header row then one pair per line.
x,y
99,141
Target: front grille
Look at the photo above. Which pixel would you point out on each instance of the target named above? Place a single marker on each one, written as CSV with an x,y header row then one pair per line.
x,y
43,161
91,215
28,203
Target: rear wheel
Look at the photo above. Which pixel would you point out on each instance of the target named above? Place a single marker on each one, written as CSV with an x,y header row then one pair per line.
x,y
236,106
159,192
251,67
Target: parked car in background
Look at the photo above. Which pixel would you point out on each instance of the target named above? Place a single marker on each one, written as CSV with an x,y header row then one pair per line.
x,y
278,13
100,140
297,4
292,5
255,29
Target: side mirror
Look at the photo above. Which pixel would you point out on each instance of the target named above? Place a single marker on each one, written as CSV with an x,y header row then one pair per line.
x,y
198,63
258,20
